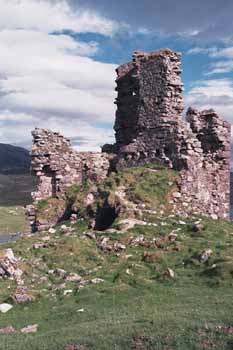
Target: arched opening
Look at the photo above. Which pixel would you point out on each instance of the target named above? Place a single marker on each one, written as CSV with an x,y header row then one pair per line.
x,y
105,218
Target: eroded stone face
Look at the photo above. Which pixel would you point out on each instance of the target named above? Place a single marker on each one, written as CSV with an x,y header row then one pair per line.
x,y
57,165
149,127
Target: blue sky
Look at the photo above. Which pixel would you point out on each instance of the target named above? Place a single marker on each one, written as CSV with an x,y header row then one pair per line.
x,y
58,60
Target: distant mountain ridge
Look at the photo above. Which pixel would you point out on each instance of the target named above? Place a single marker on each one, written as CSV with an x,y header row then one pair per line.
x,y
14,159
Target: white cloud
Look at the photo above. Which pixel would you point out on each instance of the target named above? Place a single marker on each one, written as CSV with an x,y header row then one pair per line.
x,y
224,53
225,65
15,128
221,67
48,16
213,93
47,80
200,50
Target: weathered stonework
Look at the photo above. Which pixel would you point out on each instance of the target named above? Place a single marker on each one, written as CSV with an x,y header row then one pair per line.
x,y
57,165
149,127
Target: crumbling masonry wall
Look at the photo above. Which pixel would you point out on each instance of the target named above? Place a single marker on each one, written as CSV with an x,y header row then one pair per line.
x,y
149,127
58,166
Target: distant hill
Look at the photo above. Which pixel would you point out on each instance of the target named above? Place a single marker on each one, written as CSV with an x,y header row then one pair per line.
x,y
16,183
14,159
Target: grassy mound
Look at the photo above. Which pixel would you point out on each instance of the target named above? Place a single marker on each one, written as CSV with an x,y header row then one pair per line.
x,y
123,194
145,288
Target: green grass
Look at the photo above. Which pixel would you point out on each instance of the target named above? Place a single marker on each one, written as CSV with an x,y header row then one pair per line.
x,y
15,189
12,220
140,310
137,306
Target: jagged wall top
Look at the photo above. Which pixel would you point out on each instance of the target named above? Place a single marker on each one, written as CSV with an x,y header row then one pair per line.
x,y
149,127
58,166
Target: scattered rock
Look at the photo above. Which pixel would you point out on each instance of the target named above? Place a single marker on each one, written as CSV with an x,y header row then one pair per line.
x,y
60,273
9,266
90,235
80,310
30,329
139,240
205,255
7,330
66,230
118,247
46,238
103,244
60,286
97,280
172,236
82,284
177,195
225,329
73,277
5,308
76,347
169,273
40,245
180,222
52,231
21,295
73,218
127,224
198,227
67,291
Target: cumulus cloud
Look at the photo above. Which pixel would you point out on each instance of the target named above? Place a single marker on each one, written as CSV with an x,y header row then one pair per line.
x,y
48,16
49,79
201,50
223,58
15,128
213,93
198,20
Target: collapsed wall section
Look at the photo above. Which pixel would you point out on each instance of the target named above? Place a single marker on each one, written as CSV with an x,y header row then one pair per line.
x,y
58,166
149,127
205,185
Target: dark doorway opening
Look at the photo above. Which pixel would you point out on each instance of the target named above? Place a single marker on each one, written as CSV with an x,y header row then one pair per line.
x,y
105,218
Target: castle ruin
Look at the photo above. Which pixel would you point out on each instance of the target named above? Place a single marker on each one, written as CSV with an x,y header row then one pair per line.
x,y
149,128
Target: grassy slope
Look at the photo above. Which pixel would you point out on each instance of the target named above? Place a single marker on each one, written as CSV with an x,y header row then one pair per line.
x,y
15,189
12,220
136,307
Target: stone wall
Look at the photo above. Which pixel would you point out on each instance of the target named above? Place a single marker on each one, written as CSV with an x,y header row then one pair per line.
x,y
57,165
149,127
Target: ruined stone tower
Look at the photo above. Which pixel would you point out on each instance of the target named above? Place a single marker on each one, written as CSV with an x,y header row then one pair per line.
x,y
150,103
149,127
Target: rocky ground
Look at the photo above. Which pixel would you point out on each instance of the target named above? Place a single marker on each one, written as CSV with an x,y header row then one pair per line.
x,y
149,279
